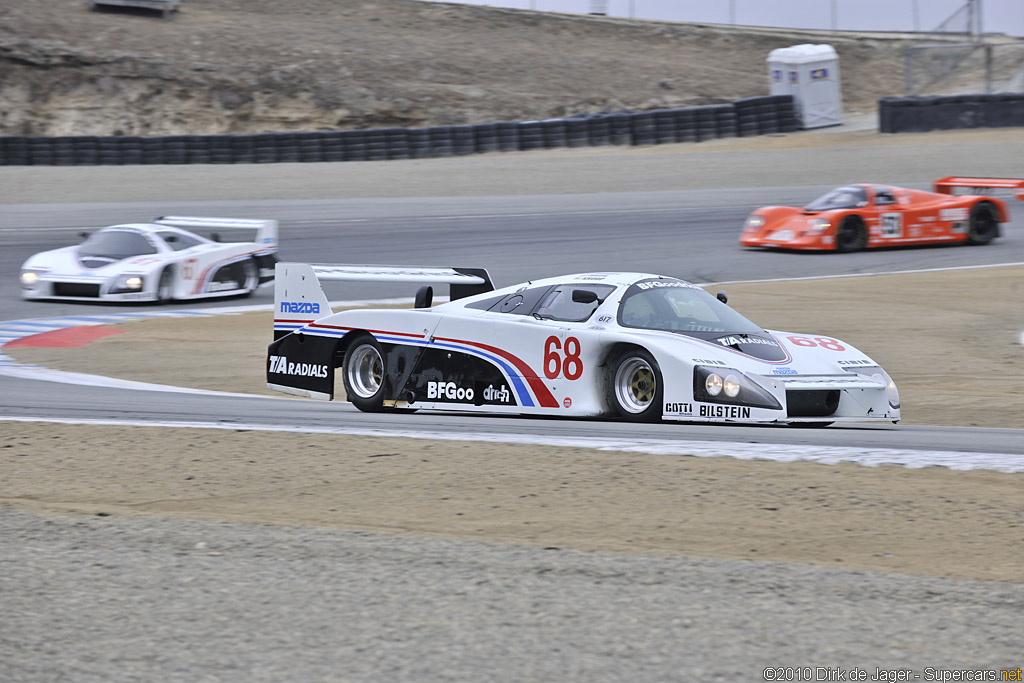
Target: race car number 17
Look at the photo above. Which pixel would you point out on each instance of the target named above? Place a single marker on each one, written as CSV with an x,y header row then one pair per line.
x,y
570,366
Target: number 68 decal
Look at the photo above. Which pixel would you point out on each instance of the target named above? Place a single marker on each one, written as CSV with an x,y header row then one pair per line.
x,y
571,366
823,342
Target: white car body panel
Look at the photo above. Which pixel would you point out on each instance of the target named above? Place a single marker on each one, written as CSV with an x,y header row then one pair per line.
x,y
458,356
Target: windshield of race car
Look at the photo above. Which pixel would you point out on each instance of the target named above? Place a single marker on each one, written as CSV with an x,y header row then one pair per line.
x,y
677,306
116,244
847,197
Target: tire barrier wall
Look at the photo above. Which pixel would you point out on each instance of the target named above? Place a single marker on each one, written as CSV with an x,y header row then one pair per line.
x,y
942,112
746,117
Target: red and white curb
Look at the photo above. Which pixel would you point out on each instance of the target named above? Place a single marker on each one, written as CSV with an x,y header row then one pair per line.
x,y
14,330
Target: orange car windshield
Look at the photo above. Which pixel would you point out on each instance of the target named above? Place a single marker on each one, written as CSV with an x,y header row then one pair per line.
x,y
847,197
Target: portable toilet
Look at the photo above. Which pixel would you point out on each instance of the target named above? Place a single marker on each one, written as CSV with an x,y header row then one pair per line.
x,y
810,73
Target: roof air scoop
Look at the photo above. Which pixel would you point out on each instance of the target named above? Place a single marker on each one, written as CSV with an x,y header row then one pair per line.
x,y
96,261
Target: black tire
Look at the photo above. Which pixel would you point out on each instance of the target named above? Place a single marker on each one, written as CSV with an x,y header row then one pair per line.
x,y
984,226
164,293
251,273
635,386
363,373
851,235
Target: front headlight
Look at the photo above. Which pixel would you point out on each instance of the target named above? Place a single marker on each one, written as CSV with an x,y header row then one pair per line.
x,y
726,385
127,283
29,277
753,222
878,373
820,224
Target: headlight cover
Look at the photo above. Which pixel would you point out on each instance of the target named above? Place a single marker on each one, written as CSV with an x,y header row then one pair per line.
x,y
878,373
127,283
819,225
731,387
753,223
30,276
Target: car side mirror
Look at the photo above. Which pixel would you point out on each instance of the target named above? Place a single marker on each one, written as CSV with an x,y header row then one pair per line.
x,y
215,236
722,296
424,297
84,235
584,296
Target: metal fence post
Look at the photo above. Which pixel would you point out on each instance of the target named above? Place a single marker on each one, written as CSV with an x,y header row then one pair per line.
x,y
988,68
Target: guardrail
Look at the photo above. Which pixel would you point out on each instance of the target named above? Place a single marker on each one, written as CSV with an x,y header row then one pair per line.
x,y
943,112
745,117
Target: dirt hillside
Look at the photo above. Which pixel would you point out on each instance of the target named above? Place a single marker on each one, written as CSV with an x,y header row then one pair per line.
x,y
242,66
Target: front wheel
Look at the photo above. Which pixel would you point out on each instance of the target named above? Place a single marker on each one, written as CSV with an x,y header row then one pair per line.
x,y
364,374
852,235
165,287
250,277
635,388
984,224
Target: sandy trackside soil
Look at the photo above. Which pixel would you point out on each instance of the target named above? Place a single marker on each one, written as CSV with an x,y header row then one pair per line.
x,y
926,336
926,522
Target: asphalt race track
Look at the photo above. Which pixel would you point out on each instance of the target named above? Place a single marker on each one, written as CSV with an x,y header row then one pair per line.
x,y
121,598
686,234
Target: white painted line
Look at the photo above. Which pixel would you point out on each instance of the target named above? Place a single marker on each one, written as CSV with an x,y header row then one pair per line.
x,y
848,275
38,372
412,219
31,327
827,455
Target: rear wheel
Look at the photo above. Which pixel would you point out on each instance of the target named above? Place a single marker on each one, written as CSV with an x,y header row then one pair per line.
x,y
364,374
852,235
635,388
984,224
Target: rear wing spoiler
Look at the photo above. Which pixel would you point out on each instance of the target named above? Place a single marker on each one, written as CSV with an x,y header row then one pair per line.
x,y
297,287
266,230
979,186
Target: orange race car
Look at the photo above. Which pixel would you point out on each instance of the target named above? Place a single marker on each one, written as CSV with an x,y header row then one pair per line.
x,y
853,217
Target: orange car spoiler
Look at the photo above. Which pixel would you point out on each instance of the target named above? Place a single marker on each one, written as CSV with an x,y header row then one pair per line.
x,y
978,186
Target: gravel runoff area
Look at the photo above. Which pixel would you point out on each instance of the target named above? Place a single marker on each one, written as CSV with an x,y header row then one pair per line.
x,y
178,554
109,599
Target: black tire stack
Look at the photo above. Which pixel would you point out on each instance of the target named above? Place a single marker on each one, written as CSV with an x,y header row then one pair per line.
x,y
944,112
749,116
